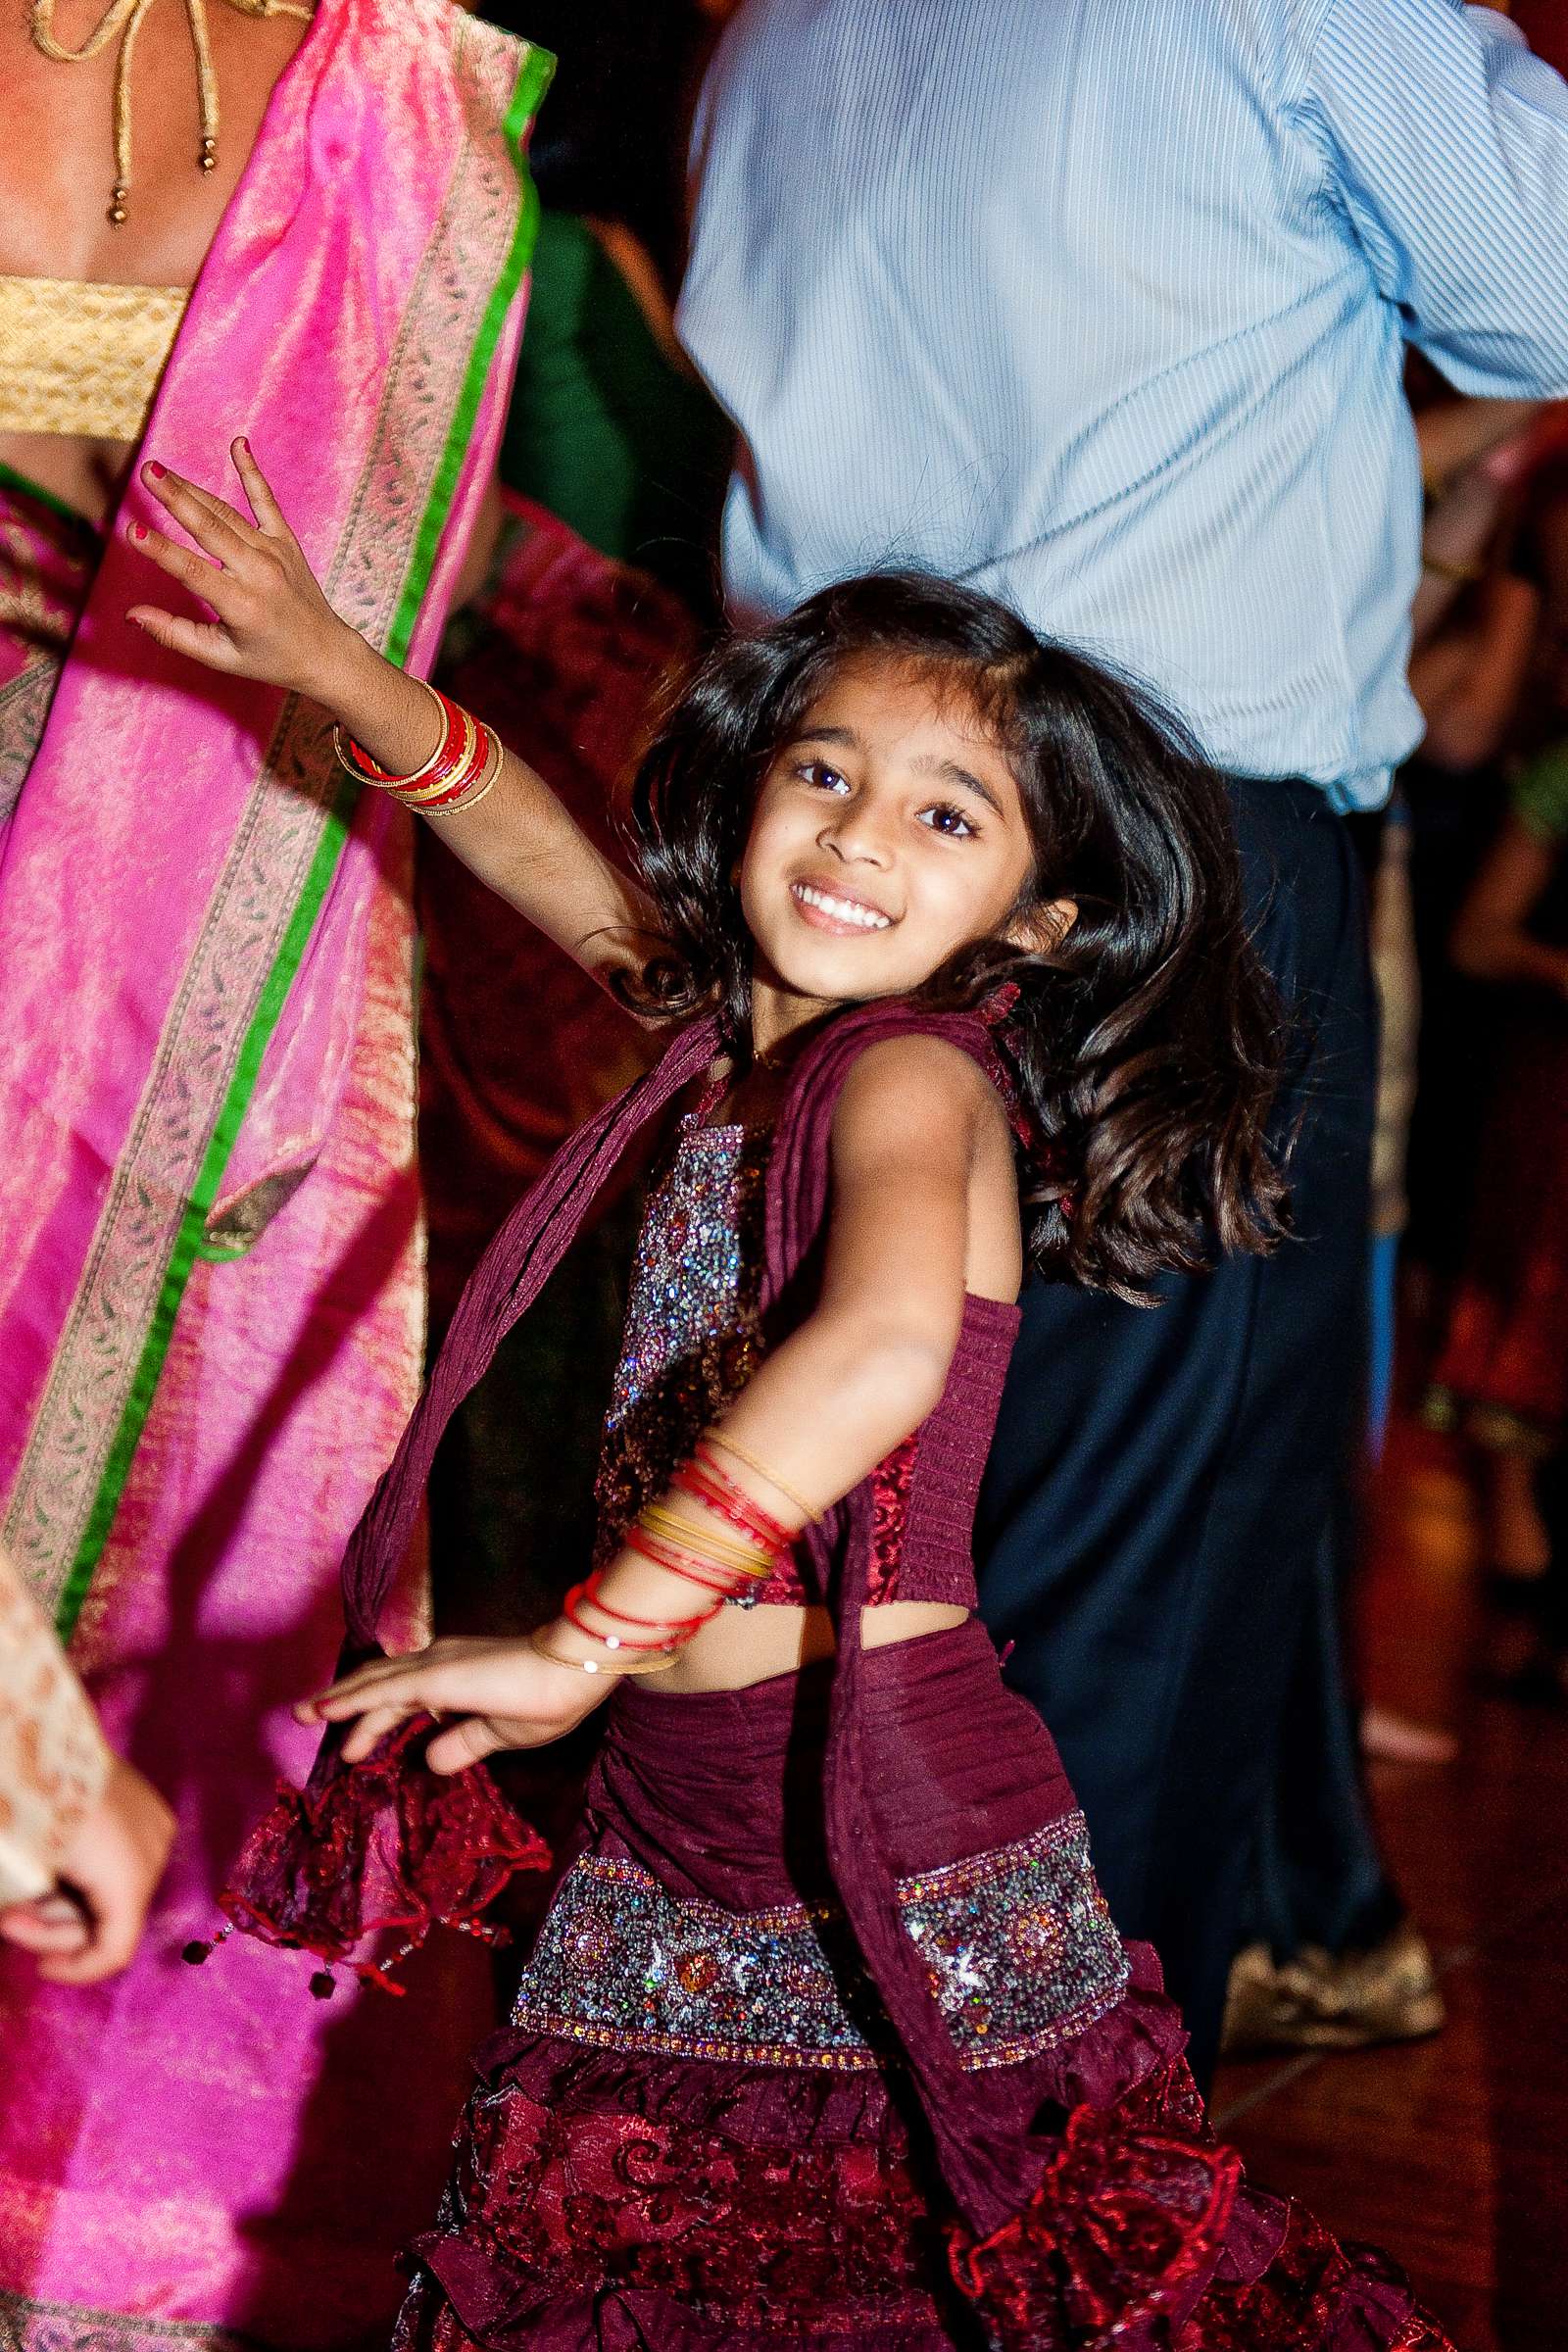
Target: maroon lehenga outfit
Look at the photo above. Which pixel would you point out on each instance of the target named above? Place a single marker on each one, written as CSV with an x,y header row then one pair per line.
x,y
827,2037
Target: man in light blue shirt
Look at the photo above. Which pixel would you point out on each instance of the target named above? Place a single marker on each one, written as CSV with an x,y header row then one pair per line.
x,y
1100,305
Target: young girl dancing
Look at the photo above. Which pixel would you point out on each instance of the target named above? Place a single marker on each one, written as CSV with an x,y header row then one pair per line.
x,y
827,2038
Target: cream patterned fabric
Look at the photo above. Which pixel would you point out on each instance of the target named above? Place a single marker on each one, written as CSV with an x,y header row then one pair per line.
x,y
77,357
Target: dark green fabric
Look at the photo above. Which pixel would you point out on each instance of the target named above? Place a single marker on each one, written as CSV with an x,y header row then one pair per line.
x,y
1540,795
604,431
10,479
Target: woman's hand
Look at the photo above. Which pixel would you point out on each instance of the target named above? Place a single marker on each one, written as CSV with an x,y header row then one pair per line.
x,y
90,1928
272,620
507,1694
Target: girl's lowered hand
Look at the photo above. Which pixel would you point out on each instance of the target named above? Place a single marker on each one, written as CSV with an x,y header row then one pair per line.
x,y
504,1693
270,620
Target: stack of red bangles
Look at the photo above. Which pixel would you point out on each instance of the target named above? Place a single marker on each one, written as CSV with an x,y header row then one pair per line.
x,y
457,774
722,1566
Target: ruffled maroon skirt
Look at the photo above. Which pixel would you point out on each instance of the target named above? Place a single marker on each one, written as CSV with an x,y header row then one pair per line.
x,y
694,2135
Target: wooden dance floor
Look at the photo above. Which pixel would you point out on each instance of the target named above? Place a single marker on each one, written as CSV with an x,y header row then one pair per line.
x,y
1453,2152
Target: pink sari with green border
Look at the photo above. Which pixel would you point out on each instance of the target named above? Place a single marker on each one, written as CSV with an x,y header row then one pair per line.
x,y
211,1288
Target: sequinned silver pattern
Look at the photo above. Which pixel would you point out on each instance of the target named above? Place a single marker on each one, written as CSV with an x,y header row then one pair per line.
x,y
691,1340
691,1262
1018,1942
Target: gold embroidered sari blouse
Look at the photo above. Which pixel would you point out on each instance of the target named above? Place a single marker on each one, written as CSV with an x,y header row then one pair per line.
x,y
53,1761
83,359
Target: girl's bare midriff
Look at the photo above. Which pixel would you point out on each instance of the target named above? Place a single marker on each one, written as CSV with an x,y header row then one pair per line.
x,y
741,1646
57,167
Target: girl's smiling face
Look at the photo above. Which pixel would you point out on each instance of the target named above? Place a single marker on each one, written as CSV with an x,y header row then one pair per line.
x,y
889,832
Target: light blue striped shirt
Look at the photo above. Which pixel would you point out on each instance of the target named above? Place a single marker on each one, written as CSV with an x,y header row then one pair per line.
x,y
1100,305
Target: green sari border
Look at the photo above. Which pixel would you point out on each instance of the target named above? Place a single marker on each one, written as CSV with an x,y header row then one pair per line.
x,y
533,81
192,1228
11,479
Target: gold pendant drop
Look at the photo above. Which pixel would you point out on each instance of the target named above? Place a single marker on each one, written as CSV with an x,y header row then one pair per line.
x,y
122,19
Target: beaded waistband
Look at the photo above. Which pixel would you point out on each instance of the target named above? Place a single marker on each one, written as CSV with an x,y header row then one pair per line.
x,y
1019,1945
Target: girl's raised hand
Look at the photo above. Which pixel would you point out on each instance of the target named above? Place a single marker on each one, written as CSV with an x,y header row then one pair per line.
x,y
504,1693
271,622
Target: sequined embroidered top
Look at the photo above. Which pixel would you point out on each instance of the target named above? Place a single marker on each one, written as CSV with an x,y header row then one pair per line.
x,y
693,1339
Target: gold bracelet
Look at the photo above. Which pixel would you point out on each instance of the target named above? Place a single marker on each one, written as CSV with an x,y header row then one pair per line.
x,y
590,1665
484,785
417,795
660,1520
719,1551
352,768
716,1437
1461,573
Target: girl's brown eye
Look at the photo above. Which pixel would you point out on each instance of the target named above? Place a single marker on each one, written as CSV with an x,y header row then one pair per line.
x,y
827,779
944,818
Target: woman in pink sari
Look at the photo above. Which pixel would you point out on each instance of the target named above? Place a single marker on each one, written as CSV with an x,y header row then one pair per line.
x,y
211,1308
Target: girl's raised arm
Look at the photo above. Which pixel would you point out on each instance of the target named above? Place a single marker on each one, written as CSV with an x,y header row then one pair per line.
x,y
271,622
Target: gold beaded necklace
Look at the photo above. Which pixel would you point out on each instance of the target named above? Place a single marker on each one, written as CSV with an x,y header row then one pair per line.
x,y
122,19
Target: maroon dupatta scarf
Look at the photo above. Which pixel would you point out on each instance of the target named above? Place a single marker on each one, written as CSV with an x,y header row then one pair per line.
x,y
387,1843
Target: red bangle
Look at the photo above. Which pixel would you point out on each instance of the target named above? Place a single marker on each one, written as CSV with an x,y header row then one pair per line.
x,y
464,773
693,1479
570,1609
591,1588
359,762
689,1564
433,768
662,1555
590,1592
770,1532
710,1467
466,758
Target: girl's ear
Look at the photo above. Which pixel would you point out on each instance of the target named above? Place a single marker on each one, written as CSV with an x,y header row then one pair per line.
x,y
1041,929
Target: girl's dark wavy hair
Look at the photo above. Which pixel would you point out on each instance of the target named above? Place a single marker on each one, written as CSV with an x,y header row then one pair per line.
x,y
1146,1043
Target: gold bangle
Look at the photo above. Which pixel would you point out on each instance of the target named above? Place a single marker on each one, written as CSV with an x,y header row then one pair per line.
x,y
591,1665
712,1537
486,782
720,1552
658,1519
436,798
1461,573
415,796
716,1437
350,767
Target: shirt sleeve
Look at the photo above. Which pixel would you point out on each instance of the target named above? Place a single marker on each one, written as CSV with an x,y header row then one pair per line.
x,y
1447,147
53,1761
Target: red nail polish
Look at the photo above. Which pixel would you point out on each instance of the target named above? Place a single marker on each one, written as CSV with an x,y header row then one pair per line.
x,y
138,530
156,471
